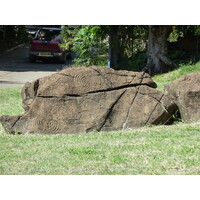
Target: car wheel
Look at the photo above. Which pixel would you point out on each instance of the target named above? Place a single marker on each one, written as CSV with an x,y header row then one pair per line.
x,y
32,59
69,56
64,59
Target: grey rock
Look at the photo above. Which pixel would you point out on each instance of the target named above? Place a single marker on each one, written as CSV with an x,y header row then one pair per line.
x,y
185,93
78,100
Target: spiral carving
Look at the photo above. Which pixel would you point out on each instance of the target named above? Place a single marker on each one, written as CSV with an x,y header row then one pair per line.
x,y
53,126
82,83
47,126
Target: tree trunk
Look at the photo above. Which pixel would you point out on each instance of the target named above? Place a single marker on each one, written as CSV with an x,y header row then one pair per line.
x,y
157,61
114,47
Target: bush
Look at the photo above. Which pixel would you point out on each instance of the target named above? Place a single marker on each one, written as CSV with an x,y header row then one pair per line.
x,y
11,36
88,43
176,56
135,63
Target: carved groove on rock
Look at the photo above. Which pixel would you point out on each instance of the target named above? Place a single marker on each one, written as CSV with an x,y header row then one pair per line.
x,y
16,121
116,88
150,95
100,74
97,91
81,82
65,74
47,125
111,109
36,86
129,111
159,102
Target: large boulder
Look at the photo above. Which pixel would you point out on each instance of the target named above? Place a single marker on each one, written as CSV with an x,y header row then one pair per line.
x,y
77,100
185,92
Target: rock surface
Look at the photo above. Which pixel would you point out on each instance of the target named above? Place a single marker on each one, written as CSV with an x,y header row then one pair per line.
x,y
185,92
77,100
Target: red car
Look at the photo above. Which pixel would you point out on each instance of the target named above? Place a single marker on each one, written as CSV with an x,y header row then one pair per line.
x,y
45,45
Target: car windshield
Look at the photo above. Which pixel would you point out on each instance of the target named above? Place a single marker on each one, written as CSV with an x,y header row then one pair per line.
x,y
49,35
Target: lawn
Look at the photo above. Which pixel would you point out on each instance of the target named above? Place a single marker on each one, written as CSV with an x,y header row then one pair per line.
x,y
166,78
10,101
150,150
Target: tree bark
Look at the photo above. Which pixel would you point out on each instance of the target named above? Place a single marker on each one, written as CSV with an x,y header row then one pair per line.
x,y
114,47
157,61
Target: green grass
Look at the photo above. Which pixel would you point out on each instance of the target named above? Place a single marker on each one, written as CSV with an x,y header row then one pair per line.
x,y
166,78
10,101
151,150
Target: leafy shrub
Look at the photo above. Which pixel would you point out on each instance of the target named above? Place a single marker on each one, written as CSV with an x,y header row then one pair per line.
x,y
135,63
176,56
88,43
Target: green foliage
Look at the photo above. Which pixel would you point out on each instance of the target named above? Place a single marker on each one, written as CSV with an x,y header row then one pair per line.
x,y
11,36
21,34
177,56
10,33
132,42
175,34
89,43
132,39
181,31
192,29
68,35
135,63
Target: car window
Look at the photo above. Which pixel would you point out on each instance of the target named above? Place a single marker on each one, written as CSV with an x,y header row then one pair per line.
x,y
48,35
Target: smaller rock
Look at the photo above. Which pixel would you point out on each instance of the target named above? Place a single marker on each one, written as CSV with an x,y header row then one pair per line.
x,y
185,92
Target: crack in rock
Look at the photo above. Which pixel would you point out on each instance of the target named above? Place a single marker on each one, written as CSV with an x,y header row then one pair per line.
x,y
9,122
97,91
129,111
150,95
111,109
16,121
158,103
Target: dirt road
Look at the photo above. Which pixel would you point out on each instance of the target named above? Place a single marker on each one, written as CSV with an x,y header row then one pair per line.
x,y
16,70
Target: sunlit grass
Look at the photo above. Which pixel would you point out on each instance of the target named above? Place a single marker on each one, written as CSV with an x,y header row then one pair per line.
x,y
10,101
150,150
166,78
